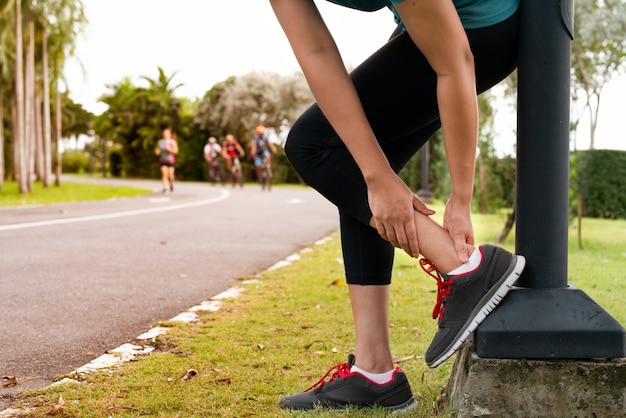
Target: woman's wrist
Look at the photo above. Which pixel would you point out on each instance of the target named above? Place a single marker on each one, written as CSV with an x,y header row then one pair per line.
x,y
461,197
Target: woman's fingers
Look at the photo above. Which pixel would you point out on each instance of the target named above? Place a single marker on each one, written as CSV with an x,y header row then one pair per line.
x,y
402,236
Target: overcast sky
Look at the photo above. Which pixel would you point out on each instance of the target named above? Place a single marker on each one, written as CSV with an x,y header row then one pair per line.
x,y
203,41
206,41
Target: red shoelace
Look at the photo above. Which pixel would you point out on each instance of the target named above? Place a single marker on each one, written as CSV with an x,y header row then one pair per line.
x,y
342,371
443,286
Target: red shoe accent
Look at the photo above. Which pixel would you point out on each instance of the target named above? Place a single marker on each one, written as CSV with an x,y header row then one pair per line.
x,y
342,371
443,286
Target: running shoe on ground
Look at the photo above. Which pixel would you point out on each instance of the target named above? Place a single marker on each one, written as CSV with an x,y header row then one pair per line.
x,y
465,300
345,388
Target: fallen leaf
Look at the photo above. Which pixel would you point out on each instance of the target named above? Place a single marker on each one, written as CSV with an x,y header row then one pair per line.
x,y
306,347
9,381
403,302
58,408
226,380
441,400
273,329
189,373
339,283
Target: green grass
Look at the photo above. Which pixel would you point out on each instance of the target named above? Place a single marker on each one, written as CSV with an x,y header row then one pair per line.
x,y
67,192
284,331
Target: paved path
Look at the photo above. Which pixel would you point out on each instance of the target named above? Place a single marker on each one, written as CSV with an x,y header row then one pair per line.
x,y
79,279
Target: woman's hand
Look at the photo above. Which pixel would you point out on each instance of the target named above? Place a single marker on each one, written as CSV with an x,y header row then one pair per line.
x,y
393,207
457,221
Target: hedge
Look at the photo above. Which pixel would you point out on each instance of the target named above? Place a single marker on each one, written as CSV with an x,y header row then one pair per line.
x,y
601,176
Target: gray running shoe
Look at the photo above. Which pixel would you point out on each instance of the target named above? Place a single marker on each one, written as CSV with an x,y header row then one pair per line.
x,y
465,300
345,388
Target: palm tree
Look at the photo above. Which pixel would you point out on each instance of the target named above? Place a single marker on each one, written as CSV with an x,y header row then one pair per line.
x,y
29,104
6,61
20,162
47,123
162,96
67,19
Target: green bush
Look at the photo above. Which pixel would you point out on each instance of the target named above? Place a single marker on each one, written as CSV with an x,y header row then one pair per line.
x,y
601,176
75,161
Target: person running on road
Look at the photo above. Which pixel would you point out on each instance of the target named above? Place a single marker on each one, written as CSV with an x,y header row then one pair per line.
x,y
350,145
166,151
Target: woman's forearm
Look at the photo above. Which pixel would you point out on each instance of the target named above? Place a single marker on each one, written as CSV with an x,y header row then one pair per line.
x,y
459,118
330,83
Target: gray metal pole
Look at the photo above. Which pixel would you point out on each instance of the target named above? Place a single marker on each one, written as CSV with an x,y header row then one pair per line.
x,y
545,317
543,143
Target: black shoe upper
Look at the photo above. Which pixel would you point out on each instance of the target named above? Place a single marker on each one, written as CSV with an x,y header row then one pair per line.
x,y
345,388
466,299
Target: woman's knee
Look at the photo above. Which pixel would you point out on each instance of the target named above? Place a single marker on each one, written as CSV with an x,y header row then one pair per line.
x,y
301,141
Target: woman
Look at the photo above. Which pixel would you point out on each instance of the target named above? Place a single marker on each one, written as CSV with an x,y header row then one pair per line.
x,y
350,146
166,151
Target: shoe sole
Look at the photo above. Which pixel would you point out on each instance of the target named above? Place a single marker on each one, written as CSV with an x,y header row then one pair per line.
x,y
394,410
487,304
405,407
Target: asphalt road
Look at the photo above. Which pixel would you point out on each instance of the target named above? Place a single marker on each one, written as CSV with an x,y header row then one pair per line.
x,y
79,279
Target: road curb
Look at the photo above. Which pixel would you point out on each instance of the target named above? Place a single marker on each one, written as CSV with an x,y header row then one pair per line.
x,y
143,344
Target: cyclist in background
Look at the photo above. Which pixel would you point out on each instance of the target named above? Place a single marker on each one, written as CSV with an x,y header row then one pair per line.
x,y
212,151
231,149
260,148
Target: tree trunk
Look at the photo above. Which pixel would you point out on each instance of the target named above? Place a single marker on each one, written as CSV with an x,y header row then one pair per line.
x,y
1,134
38,136
14,141
579,197
593,121
510,221
58,134
29,102
20,164
47,152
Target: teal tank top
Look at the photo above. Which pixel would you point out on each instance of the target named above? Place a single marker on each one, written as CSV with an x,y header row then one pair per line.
x,y
474,14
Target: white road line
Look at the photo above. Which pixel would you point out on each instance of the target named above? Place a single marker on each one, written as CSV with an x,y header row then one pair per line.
x,y
224,194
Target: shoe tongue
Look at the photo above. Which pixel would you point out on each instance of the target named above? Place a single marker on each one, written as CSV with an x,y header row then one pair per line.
x,y
351,360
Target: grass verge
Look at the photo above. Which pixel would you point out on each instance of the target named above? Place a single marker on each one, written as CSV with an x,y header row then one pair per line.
x,y
286,329
67,192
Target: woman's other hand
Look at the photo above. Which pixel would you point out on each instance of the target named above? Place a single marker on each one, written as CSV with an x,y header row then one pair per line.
x,y
457,221
393,207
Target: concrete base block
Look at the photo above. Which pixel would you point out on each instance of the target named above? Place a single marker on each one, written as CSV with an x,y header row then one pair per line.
x,y
485,387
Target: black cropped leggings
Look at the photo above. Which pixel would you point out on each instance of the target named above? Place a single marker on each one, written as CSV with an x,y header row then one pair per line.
x,y
397,88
